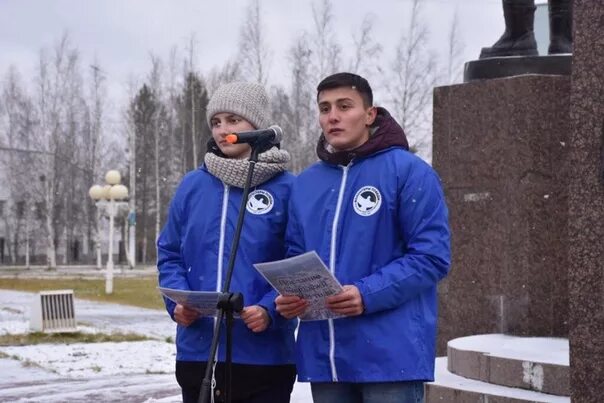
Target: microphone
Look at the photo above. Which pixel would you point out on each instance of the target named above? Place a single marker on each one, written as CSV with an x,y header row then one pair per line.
x,y
271,136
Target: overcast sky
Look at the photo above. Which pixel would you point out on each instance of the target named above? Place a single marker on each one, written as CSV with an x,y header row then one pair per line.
x,y
122,33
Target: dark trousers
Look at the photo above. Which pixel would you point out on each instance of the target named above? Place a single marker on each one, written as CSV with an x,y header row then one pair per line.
x,y
250,383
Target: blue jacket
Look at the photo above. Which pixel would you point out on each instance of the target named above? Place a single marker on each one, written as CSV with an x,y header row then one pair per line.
x,y
380,223
193,253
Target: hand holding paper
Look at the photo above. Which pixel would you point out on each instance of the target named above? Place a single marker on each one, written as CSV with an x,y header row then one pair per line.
x,y
306,277
290,306
349,302
185,316
203,303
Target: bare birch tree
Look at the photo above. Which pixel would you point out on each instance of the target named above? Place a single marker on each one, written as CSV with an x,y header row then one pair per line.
x,y
254,53
193,92
143,109
70,210
366,59
131,130
174,144
57,96
55,148
412,79
194,107
93,144
156,88
11,94
18,164
311,57
326,58
301,106
48,112
228,72
454,73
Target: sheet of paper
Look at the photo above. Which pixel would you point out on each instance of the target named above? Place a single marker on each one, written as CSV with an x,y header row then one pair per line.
x,y
305,276
203,302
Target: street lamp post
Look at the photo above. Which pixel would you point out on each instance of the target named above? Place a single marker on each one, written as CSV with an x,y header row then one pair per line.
x,y
107,196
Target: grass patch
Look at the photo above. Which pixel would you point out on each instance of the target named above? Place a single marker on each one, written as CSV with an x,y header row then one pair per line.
x,y
66,338
140,291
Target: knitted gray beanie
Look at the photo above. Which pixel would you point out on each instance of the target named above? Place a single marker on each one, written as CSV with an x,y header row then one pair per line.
x,y
248,100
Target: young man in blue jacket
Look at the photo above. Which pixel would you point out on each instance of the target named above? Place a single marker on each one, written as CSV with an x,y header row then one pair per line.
x,y
376,215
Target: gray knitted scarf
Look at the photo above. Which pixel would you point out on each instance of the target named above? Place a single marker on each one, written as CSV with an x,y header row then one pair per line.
x,y
234,171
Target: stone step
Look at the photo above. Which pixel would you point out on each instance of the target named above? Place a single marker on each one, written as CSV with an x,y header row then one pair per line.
x,y
451,388
540,364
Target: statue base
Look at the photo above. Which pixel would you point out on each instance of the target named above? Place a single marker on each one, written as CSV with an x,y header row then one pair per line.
x,y
500,67
501,149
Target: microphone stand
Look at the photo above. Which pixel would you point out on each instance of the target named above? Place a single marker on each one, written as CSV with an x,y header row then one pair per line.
x,y
229,302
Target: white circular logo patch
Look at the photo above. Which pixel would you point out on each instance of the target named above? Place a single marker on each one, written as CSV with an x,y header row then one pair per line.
x,y
260,202
367,201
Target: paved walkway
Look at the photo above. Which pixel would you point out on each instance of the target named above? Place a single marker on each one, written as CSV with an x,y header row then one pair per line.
x,y
101,372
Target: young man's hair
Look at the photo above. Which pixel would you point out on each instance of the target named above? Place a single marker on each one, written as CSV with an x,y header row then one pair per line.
x,y
354,81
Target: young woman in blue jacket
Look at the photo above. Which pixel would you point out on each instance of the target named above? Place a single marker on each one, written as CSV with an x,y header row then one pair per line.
x,y
375,213
194,247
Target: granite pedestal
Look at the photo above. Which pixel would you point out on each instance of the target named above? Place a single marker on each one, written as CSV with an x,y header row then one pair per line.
x,y
586,204
500,148
522,161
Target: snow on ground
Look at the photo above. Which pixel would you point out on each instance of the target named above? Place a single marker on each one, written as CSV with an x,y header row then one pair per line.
x,y
548,350
489,390
85,360
11,321
104,372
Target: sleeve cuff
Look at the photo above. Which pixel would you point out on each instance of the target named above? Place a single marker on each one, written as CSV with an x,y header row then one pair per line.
x,y
368,304
268,303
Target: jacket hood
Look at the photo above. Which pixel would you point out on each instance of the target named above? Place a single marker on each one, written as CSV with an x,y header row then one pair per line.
x,y
385,133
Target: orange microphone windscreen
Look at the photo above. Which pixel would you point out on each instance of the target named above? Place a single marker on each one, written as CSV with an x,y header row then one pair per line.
x,y
231,138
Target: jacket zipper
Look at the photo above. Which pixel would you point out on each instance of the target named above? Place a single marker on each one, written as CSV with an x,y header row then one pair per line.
x,y
332,268
225,202
223,214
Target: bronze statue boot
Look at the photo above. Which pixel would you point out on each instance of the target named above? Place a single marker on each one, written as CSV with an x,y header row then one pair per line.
x,y
560,26
518,38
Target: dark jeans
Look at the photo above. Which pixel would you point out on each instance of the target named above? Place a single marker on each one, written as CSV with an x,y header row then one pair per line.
x,y
386,392
250,383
